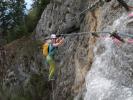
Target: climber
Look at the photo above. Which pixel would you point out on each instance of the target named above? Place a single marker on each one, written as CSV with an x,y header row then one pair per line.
x,y
49,49
115,35
123,3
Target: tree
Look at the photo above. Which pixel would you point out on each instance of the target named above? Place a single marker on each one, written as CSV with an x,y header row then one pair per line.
x,y
35,13
14,23
11,14
40,5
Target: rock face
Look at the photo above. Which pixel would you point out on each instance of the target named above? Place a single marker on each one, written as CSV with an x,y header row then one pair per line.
x,y
80,47
25,68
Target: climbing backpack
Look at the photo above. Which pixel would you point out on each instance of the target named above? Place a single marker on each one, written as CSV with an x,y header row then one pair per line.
x,y
45,49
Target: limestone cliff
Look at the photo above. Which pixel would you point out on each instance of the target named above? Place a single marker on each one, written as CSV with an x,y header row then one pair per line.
x,y
23,66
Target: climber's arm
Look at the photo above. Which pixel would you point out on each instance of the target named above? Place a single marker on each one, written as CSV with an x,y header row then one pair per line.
x,y
59,42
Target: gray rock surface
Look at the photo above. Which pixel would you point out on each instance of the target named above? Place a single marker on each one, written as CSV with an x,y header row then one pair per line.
x,y
25,68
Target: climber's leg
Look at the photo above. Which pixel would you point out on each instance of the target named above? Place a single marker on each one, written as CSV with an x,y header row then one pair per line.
x,y
52,67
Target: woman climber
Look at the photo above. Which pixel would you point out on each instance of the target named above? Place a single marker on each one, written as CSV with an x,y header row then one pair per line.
x,y
49,49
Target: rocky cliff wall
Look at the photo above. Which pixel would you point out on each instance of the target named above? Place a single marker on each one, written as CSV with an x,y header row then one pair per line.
x,y
77,54
25,65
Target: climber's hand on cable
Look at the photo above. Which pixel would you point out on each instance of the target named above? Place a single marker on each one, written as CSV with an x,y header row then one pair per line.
x,y
61,41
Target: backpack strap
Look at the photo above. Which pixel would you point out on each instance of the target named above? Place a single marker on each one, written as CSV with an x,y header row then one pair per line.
x,y
51,50
48,48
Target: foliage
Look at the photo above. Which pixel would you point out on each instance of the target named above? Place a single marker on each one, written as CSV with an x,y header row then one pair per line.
x,y
16,32
31,20
40,4
12,14
35,13
14,23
